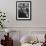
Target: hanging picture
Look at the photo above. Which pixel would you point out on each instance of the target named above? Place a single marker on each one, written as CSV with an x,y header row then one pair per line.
x,y
23,10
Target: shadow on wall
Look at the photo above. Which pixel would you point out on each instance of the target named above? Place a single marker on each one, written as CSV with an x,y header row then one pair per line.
x,y
16,43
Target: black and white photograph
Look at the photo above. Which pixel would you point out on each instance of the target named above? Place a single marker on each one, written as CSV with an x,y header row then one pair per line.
x,y
23,10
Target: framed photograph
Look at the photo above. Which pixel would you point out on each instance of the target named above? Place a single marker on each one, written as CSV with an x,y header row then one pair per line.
x,y
23,10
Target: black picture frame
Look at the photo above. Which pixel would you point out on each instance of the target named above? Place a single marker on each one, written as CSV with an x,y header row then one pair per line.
x,y
23,10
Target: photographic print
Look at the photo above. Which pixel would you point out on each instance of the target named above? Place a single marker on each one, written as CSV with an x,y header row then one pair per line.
x,y
23,10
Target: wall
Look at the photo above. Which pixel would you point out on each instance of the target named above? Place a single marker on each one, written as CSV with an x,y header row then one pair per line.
x,y
38,14
38,22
